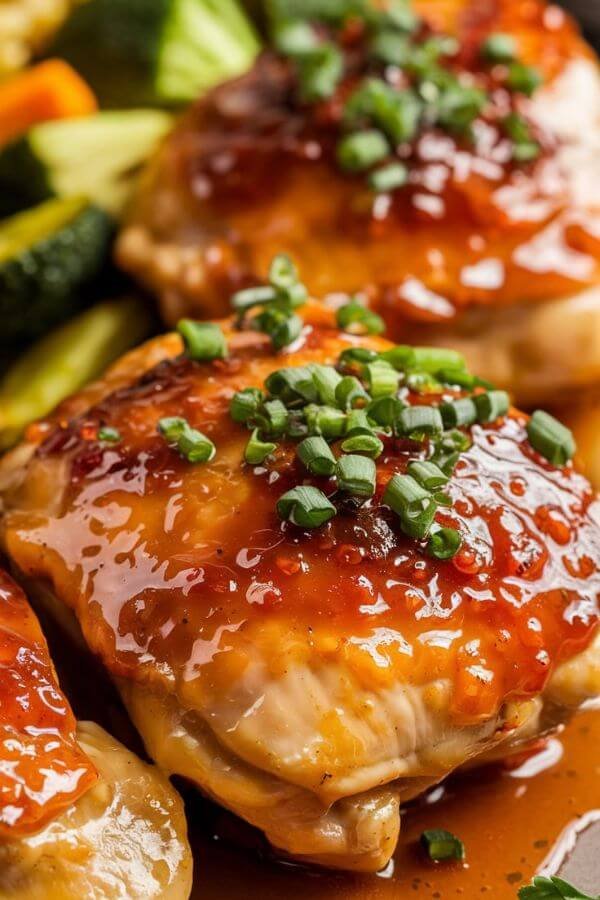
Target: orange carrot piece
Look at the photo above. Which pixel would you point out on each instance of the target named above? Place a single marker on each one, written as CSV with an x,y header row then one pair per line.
x,y
50,90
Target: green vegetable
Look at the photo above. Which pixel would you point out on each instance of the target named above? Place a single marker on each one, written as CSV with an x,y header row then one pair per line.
x,y
65,360
305,506
444,543
524,79
499,48
320,70
382,379
551,438
420,419
272,418
491,406
326,380
442,845
369,444
316,455
459,412
191,444
389,178
245,404
282,328
48,258
109,435
325,420
361,150
156,52
96,156
356,475
204,341
359,319
257,450
348,391
552,888
427,474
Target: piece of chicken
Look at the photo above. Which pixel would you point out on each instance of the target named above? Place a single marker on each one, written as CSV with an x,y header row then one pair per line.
x,y
476,252
80,816
307,680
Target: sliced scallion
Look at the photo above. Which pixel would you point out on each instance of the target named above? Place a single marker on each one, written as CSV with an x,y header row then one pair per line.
x,y
551,438
326,380
427,474
368,444
356,475
245,404
382,379
272,418
327,421
316,455
258,450
461,412
499,48
191,444
357,422
357,319
444,543
491,406
441,845
305,506
203,340
349,392
420,420
109,435
361,150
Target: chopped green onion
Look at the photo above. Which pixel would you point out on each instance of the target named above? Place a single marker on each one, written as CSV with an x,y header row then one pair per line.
x,y
326,380
203,340
389,178
553,888
551,438
293,385
444,543
349,391
396,113
524,79
325,420
361,150
283,276
442,845
316,455
245,404
320,71
356,475
357,422
282,328
294,38
526,151
272,418
354,355
427,474
461,412
458,377
382,379
420,419
401,357
194,446
391,48
404,494
458,105
296,426
385,410
398,14
369,444
418,524
525,148
499,48
257,450
305,506
356,318
491,406
423,383
254,296
109,435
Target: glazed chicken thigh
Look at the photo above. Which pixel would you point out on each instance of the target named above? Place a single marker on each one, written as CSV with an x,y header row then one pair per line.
x,y
311,659
80,816
490,246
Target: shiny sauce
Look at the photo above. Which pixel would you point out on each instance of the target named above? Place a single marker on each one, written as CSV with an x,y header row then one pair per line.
x,y
42,768
180,573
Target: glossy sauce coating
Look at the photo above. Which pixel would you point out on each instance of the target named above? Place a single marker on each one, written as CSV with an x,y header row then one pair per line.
x,y
179,573
251,172
42,768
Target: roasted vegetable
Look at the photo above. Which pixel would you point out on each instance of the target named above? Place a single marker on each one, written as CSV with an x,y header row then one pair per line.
x,y
65,360
48,257
98,156
156,52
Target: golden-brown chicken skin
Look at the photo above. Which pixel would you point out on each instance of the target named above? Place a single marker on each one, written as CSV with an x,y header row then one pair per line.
x,y
306,679
80,815
477,251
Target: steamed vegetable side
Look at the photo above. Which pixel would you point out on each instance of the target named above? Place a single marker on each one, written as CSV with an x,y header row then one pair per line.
x,y
48,258
99,156
156,52
65,360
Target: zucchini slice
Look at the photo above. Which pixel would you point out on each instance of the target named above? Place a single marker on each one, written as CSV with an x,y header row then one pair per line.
x,y
48,256
97,156
156,52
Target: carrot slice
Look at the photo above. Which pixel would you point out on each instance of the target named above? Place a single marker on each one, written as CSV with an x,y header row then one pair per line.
x,y
50,90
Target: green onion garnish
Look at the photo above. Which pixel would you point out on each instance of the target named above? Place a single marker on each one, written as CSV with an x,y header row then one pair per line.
x,y
551,438
382,379
349,392
325,420
356,318
361,150
356,475
420,419
357,355
389,178
418,524
294,38
244,404
305,506
458,105
294,385
444,543
320,71
442,845
369,444
459,412
257,450
357,422
458,377
284,277
282,328
553,888
203,340
391,48
404,494
254,296
272,418
385,410
316,455
499,48
326,380
194,446
524,79
427,474
109,435
491,406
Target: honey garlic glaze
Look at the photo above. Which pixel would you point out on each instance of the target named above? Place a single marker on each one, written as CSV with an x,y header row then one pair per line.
x,y
177,571
251,172
42,768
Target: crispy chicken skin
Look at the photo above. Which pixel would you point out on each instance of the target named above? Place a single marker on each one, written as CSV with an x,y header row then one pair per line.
x,y
80,816
476,252
307,680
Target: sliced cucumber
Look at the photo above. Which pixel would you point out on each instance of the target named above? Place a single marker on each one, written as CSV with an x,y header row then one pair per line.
x,y
48,257
65,360
97,155
156,52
